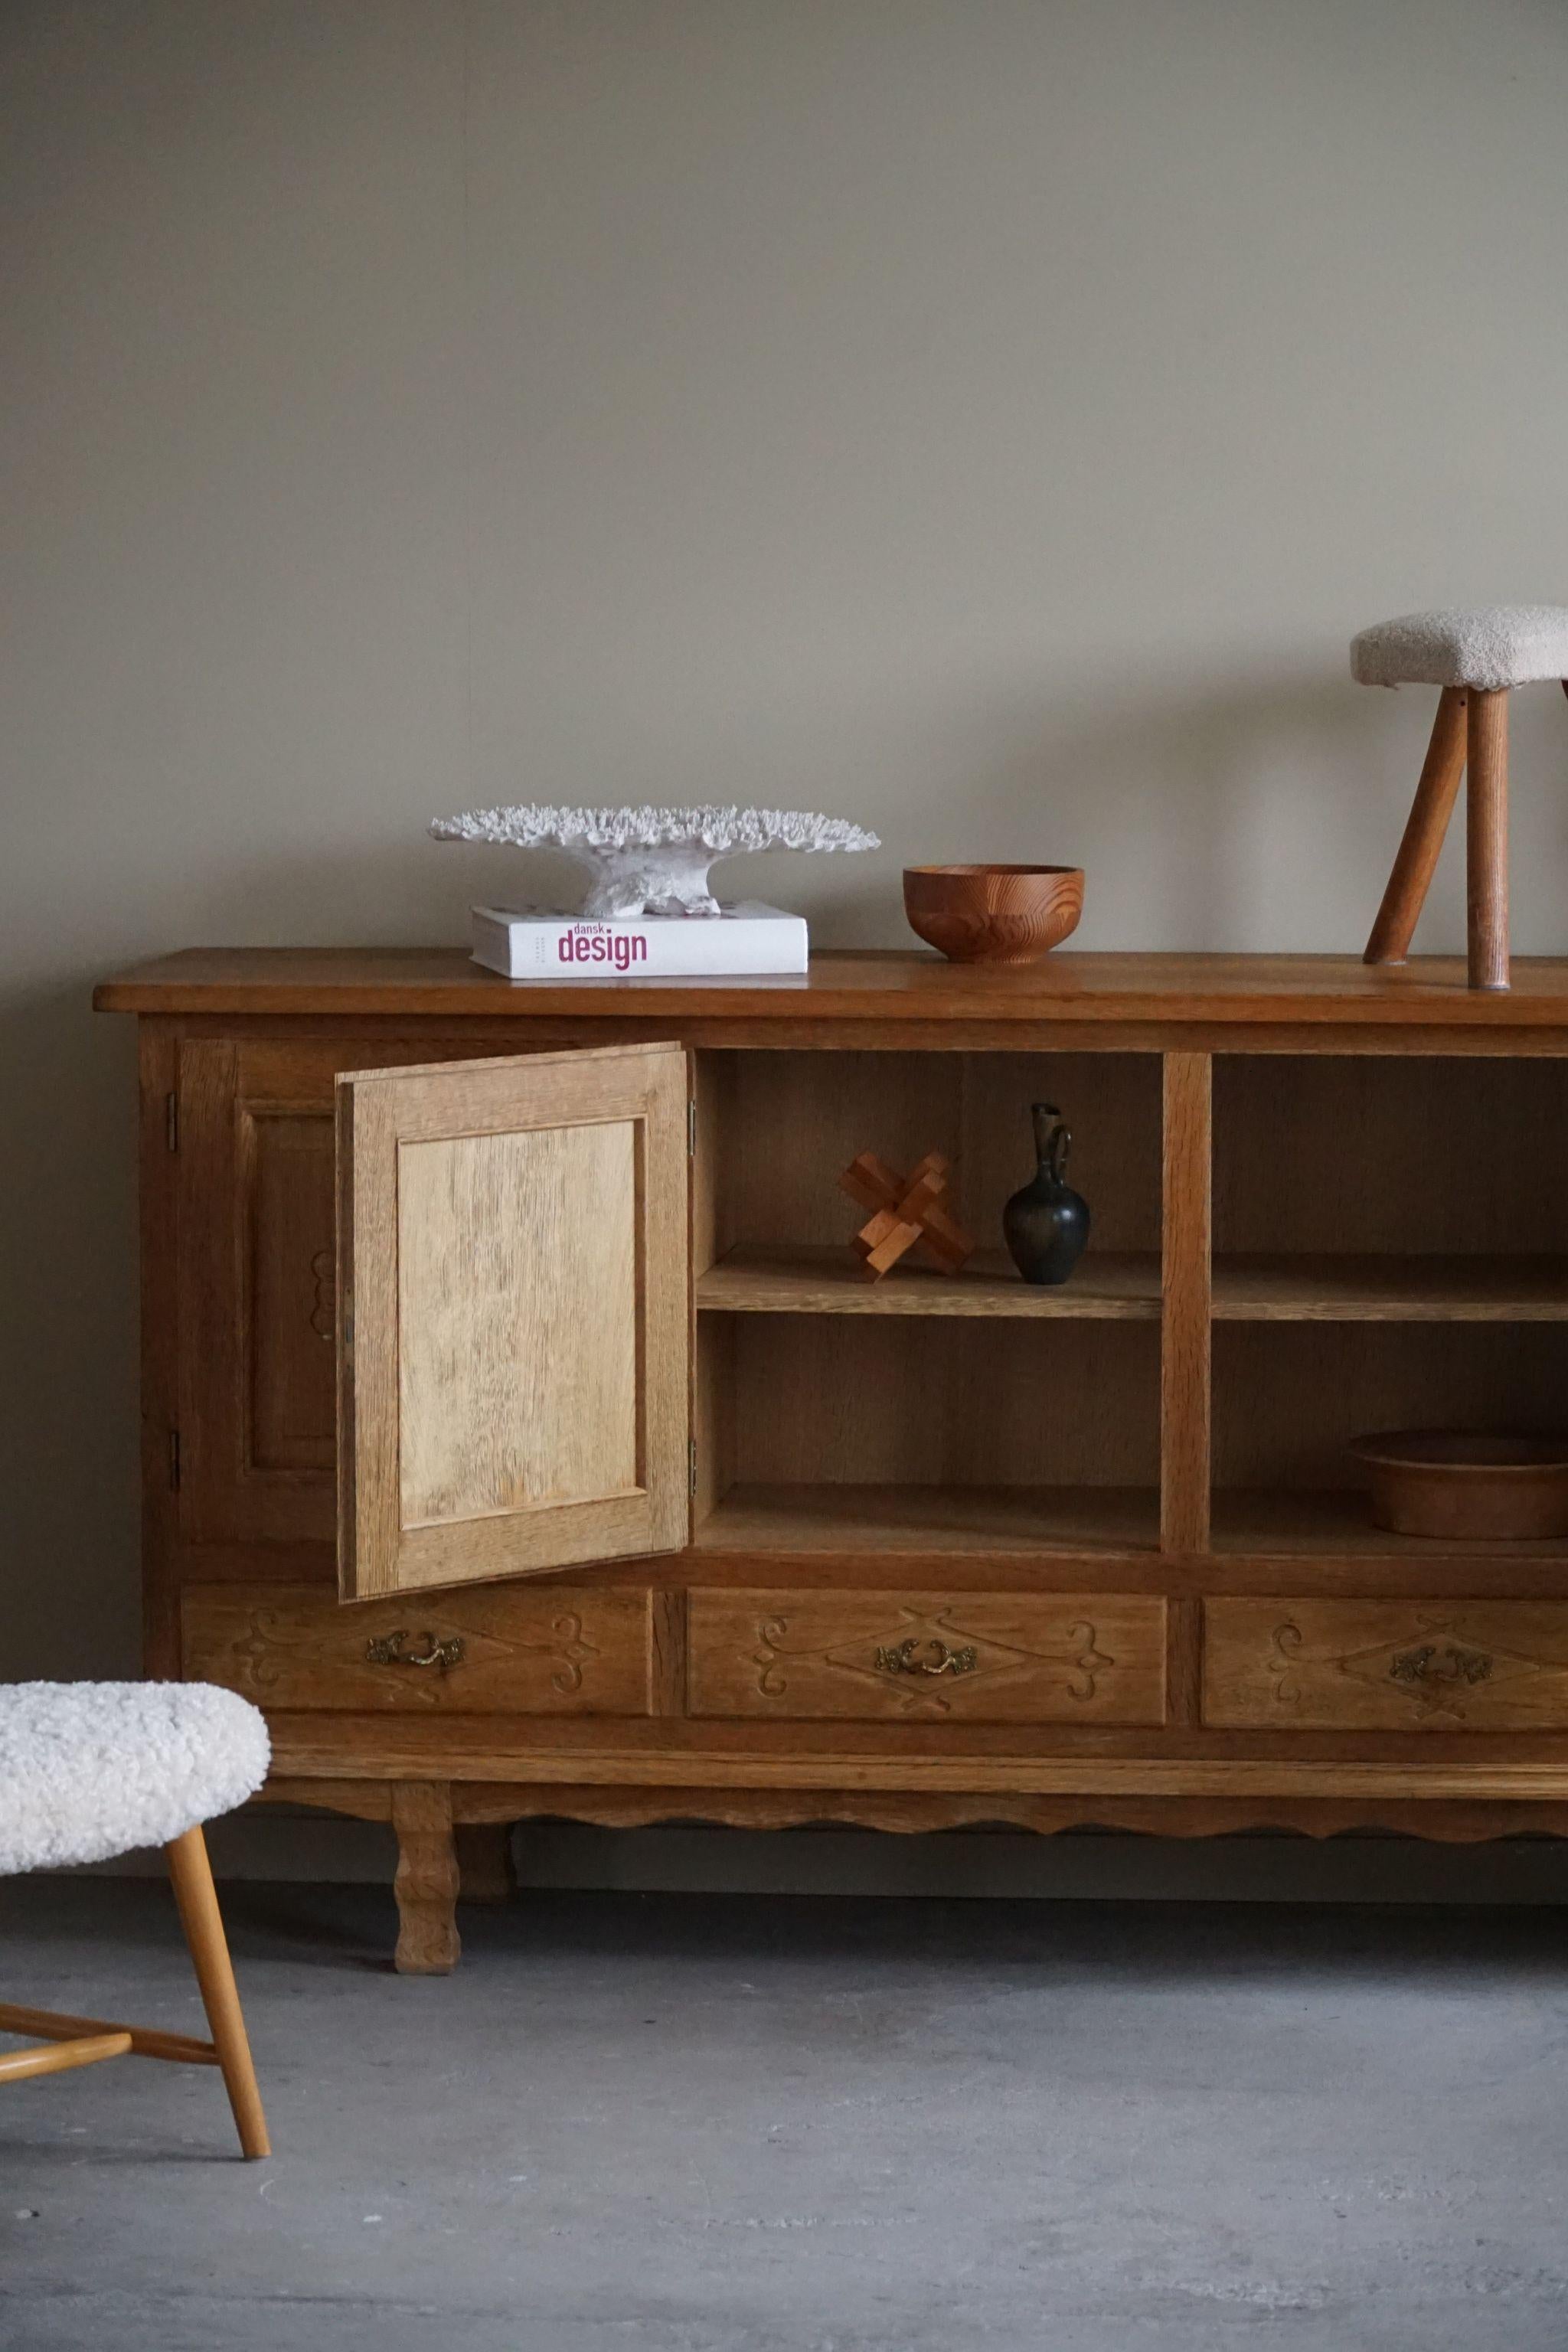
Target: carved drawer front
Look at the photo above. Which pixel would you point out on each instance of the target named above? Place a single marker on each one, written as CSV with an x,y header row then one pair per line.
x,y
1386,1665
896,1657
565,1651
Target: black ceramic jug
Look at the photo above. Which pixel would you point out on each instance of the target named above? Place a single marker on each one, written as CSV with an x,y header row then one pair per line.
x,y
1047,1224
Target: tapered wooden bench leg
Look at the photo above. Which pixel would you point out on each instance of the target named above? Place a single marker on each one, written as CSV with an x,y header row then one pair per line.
x,y
426,1880
203,1922
1486,887
1424,828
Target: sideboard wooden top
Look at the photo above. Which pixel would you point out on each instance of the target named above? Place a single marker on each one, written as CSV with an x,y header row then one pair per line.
x,y
883,985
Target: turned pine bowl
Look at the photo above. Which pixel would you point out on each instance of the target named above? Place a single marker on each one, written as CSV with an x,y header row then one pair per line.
x,y
993,914
1467,1483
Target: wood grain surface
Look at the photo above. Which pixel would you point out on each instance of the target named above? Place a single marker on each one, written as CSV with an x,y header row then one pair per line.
x,y
513,1359
1421,843
816,1280
1450,1665
1486,837
426,1880
1184,1326
304,1748
901,1657
552,1648
886,985
845,1515
516,1284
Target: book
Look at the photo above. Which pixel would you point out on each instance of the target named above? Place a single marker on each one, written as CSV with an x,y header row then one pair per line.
x,y
742,940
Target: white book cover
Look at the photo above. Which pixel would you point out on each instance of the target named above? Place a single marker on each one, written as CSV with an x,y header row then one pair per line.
x,y
743,940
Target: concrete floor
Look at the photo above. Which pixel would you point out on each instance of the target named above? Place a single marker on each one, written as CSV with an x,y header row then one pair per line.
x,y
699,2124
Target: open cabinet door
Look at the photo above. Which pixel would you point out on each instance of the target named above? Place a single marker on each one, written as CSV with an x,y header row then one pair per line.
x,y
513,1324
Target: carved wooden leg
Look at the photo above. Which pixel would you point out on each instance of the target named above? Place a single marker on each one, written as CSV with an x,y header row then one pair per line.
x,y
426,1880
1428,823
1486,890
196,1896
485,1874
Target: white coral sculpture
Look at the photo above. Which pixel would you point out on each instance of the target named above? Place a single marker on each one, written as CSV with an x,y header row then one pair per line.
x,y
652,861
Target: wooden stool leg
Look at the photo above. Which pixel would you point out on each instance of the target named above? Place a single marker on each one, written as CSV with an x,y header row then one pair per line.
x,y
426,1880
1485,885
203,1922
1423,840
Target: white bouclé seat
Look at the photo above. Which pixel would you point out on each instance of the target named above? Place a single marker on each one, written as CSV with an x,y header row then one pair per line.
x,y
1476,656
89,1770
1492,647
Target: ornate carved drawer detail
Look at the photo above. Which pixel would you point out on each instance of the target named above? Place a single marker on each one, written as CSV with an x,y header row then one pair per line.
x,y
1386,1665
561,1650
911,1657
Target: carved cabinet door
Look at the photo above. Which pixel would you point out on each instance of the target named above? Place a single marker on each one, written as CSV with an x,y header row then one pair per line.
x,y
513,1315
255,1280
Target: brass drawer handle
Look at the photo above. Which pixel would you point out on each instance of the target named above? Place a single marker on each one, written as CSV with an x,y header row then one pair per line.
x,y
1429,1666
932,1657
387,1650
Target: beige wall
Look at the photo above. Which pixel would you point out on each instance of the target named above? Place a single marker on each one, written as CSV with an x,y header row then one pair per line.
x,y
984,418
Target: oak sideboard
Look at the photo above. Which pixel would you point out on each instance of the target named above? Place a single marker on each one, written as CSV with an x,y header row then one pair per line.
x,y
522,1435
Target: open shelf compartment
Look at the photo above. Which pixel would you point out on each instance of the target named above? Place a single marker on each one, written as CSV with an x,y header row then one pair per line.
x,y
771,1229
923,1411
820,1433
1389,1253
1371,1188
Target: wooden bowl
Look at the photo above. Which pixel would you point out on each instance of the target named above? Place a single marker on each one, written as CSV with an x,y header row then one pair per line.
x,y
993,914
1467,1483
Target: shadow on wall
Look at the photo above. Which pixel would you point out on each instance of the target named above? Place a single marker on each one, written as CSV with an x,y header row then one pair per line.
x,y
1223,818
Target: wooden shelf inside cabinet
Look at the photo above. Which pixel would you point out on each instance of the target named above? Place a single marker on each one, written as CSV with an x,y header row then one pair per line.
x,y
1390,1289
1337,1524
807,1280
856,1518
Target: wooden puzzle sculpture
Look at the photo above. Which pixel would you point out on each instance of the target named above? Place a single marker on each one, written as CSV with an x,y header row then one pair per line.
x,y
905,1210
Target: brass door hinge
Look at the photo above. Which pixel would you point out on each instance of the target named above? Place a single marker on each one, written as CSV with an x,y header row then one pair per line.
x,y
692,1466
692,1127
174,1459
171,1121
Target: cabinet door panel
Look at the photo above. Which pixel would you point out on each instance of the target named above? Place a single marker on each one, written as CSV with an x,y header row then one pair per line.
x,y
292,1320
501,1240
515,1315
256,1284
